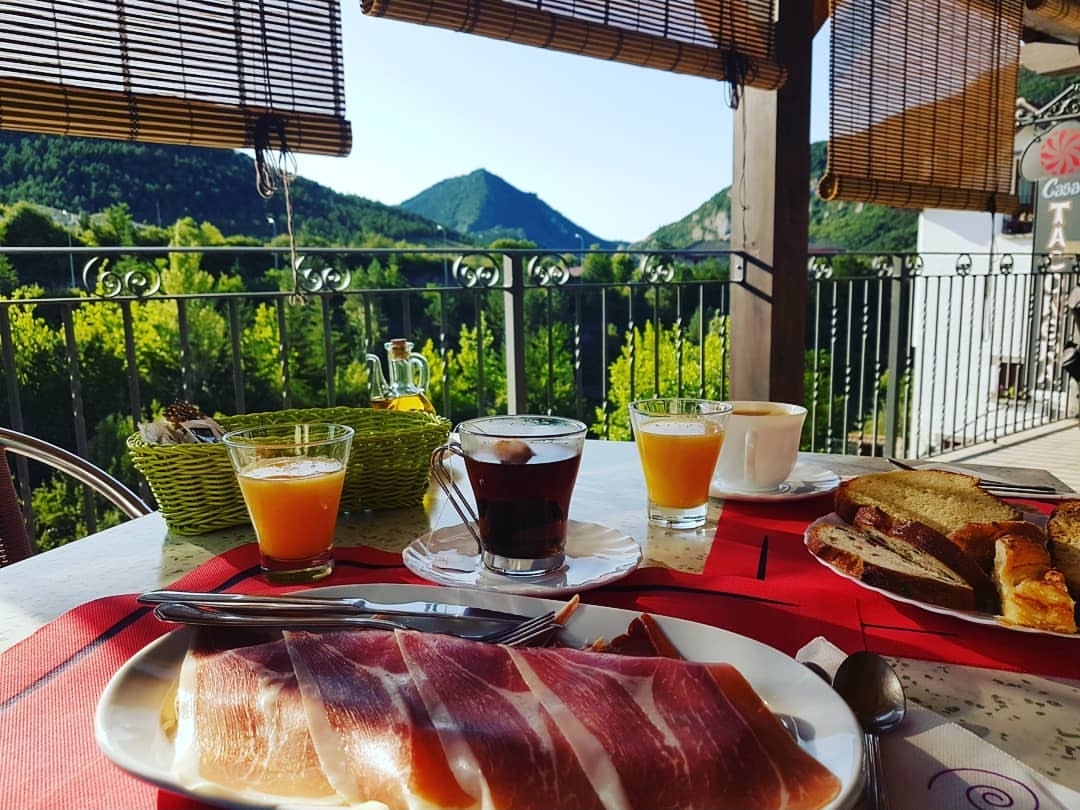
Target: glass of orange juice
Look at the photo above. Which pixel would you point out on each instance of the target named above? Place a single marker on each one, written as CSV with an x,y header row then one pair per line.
x,y
291,477
678,441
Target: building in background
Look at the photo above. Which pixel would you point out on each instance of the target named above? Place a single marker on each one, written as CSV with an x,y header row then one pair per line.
x,y
990,314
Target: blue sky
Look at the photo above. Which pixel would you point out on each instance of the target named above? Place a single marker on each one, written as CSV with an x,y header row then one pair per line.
x,y
619,150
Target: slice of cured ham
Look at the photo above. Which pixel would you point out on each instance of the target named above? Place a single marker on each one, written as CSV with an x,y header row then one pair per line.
x,y
372,731
411,720
678,732
240,724
505,745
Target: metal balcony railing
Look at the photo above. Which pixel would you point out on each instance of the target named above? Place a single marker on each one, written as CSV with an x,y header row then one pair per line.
x,y
906,355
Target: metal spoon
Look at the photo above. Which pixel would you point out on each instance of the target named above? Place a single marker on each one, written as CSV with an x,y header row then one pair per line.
x,y
876,696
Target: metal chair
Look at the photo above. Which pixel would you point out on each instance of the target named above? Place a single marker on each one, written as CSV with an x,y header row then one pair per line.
x,y
16,540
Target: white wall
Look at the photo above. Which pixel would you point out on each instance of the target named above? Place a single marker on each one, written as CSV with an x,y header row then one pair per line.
x,y
966,322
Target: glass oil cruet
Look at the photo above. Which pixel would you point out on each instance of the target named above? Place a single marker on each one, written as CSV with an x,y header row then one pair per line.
x,y
408,377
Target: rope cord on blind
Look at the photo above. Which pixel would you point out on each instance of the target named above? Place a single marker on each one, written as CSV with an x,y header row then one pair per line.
x,y
923,94
732,40
206,73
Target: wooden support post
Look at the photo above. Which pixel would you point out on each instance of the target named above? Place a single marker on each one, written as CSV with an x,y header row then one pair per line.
x,y
769,221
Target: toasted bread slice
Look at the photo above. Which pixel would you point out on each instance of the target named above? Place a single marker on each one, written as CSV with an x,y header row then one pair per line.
x,y
900,568
944,501
1063,531
899,533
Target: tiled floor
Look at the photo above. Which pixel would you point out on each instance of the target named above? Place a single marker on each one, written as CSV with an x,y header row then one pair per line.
x,y
1055,448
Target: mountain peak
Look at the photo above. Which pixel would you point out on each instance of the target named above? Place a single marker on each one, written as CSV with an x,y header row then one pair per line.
x,y
484,205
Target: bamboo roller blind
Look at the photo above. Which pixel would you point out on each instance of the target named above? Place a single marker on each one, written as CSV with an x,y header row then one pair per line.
x,y
719,39
1056,17
923,97
203,73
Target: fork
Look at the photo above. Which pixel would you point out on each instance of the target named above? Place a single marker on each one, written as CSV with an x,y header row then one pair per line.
x,y
529,632
534,632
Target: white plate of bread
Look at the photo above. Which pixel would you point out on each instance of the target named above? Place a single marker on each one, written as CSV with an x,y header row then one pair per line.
x,y
932,538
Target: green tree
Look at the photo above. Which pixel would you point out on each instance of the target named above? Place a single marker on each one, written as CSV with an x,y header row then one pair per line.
x,y
9,278
641,372
461,369
25,225
58,517
115,227
549,368
261,359
40,370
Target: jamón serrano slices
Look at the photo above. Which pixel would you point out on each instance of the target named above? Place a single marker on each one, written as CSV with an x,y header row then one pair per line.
x,y
413,720
240,720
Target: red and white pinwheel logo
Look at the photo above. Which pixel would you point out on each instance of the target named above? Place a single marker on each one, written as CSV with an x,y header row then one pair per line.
x,y
1060,152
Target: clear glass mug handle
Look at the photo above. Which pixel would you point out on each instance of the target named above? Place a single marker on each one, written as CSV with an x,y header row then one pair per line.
x,y
442,474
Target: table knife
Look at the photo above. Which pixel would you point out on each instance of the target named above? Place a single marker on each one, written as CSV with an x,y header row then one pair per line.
x,y
469,627
237,602
989,484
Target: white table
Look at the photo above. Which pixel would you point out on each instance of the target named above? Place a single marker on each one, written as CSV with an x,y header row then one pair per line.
x,y
1036,719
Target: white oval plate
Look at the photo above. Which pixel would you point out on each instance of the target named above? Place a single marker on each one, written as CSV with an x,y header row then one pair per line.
x,y
128,718
975,617
806,481
595,555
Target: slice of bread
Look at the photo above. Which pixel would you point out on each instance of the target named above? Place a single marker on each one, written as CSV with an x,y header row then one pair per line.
x,y
944,501
900,568
1032,593
1063,531
896,534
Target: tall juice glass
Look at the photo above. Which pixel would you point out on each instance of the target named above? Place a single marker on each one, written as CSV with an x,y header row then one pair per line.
x,y
678,441
291,477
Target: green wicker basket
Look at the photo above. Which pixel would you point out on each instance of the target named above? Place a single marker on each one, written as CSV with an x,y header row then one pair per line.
x,y
195,485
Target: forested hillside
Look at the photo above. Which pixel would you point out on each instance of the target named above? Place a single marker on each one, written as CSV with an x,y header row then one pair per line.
x,y
162,184
844,225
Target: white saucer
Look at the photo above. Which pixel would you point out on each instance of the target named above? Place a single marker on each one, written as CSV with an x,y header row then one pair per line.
x,y
806,481
595,555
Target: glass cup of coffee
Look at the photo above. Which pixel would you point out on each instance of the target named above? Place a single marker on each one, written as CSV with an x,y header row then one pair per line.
x,y
761,447
522,470
291,477
678,441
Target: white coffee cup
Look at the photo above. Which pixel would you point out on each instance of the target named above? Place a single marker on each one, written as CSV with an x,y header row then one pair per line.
x,y
761,445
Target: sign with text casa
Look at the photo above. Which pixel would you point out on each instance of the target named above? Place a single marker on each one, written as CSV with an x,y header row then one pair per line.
x,y
1057,219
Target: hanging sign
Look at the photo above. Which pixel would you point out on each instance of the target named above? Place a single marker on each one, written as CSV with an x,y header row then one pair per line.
x,y
1052,153
1057,219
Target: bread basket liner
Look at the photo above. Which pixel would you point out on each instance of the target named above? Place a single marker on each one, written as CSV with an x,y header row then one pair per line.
x,y
195,486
